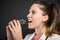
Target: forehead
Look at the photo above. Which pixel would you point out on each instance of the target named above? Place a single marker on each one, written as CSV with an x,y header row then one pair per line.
x,y
36,6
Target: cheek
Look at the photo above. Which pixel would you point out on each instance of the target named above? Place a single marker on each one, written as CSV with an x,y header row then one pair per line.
x,y
37,20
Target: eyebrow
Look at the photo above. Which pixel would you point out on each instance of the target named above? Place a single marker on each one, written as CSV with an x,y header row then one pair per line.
x,y
31,10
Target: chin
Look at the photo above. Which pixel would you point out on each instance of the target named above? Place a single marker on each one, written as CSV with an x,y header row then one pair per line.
x,y
30,27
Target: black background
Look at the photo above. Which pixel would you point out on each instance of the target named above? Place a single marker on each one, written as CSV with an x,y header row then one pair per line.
x,y
15,9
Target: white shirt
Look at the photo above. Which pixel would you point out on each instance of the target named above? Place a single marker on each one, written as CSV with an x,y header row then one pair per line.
x,y
43,37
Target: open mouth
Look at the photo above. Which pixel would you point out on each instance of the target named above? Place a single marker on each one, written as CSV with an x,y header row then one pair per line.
x,y
29,21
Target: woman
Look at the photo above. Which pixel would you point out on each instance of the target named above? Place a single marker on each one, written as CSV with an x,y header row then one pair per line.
x,y
42,18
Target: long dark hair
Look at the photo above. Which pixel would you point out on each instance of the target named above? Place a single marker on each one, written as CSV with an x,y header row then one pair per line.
x,y
53,12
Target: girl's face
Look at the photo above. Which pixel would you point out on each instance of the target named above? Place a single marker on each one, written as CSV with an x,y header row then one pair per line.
x,y
35,16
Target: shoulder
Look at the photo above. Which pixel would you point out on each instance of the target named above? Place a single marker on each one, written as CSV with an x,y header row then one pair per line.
x,y
54,37
27,36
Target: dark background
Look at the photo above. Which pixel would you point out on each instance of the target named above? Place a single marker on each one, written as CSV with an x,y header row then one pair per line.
x,y
15,9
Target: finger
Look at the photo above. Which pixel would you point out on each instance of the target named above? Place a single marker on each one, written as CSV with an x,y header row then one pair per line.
x,y
7,30
11,29
15,23
11,25
9,36
18,23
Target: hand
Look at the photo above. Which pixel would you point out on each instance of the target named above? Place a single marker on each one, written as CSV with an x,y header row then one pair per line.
x,y
15,30
9,35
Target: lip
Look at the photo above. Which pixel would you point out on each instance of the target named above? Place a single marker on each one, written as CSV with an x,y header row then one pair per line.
x,y
29,20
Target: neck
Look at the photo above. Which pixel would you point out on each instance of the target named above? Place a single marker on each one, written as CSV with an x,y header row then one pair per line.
x,y
40,30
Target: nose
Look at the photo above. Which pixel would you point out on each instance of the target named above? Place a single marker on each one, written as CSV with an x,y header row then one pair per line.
x,y
29,15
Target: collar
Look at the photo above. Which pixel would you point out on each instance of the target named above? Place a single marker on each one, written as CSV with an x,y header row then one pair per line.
x,y
43,37
32,36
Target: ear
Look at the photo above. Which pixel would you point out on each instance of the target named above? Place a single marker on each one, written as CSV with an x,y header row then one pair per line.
x,y
45,17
